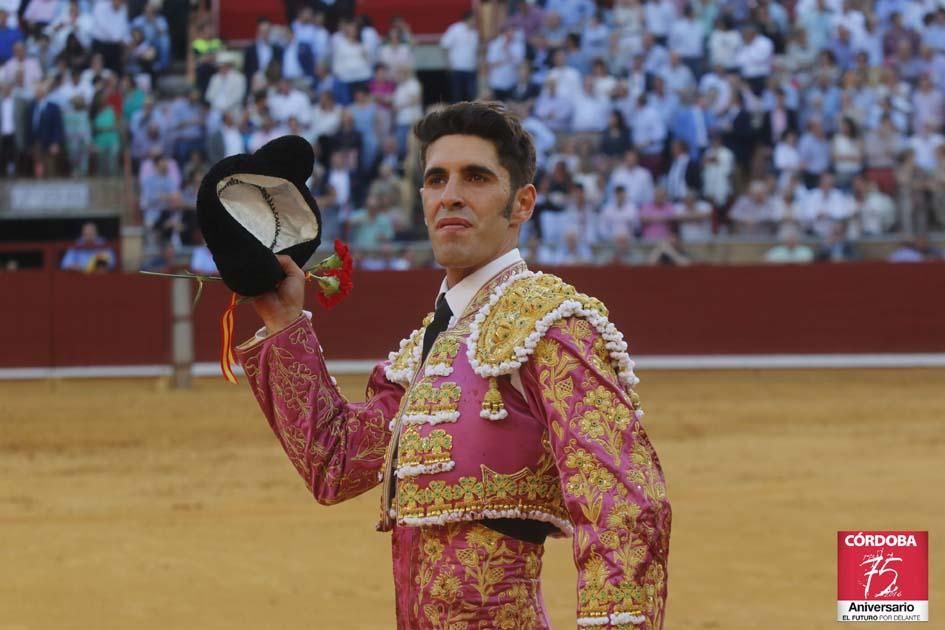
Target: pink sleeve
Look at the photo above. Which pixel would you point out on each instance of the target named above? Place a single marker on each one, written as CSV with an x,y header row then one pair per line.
x,y
337,447
611,479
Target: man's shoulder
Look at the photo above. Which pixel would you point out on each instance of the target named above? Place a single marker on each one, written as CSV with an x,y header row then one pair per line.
x,y
519,313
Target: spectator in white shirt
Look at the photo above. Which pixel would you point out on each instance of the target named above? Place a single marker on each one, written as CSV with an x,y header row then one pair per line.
x,y
754,59
461,43
339,180
847,154
553,108
718,166
286,101
875,211
924,145
268,130
582,213
716,91
648,130
566,78
309,28
687,39
8,147
505,53
724,44
23,72
542,135
110,32
298,60
826,205
633,178
396,52
620,217
604,83
326,119
659,16
591,112
655,55
678,77
694,217
350,60
72,22
227,87
787,159
555,31
754,213
572,250
227,140
369,36
407,105
929,105
595,40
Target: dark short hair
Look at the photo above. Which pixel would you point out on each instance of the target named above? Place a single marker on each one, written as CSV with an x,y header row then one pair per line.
x,y
489,120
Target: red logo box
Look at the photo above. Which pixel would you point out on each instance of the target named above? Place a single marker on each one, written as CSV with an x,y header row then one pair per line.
x,y
882,576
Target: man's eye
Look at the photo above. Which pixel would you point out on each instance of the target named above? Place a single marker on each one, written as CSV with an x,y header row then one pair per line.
x,y
476,177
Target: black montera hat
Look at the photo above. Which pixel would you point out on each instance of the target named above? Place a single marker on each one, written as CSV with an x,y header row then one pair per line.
x,y
252,207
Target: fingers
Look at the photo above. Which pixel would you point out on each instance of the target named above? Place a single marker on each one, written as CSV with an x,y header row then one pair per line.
x,y
290,268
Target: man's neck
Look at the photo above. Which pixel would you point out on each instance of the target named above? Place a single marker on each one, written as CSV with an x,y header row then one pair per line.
x,y
456,275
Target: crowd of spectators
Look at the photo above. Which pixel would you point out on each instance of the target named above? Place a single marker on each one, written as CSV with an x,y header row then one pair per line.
x,y
663,122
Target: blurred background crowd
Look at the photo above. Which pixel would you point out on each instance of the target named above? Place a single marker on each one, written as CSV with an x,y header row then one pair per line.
x,y
662,126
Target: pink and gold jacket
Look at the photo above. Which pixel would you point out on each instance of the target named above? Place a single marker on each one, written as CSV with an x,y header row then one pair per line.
x,y
452,439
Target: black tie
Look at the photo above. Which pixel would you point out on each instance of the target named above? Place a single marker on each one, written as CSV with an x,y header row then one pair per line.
x,y
441,319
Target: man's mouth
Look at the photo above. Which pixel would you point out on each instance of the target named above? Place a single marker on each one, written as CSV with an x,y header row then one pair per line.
x,y
452,224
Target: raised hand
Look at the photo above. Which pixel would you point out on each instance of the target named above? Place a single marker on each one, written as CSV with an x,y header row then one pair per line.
x,y
283,305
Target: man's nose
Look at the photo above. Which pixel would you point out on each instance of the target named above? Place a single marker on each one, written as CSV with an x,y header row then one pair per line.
x,y
452,195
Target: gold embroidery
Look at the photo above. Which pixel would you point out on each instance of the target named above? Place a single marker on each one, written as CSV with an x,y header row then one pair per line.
x,y
491,572
492,406
554,375
603,420
514,317
444,350
524,490
426,399
434,448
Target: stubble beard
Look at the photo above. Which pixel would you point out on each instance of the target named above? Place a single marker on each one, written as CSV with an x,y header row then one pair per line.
x,y
456,253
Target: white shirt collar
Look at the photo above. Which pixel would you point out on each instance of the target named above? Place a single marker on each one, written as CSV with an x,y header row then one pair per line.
x,y
466,289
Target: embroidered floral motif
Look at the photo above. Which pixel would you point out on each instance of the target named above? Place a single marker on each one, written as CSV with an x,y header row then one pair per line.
x,y
336,446
524,494
611,478
432,404
440,360
475,578
424,455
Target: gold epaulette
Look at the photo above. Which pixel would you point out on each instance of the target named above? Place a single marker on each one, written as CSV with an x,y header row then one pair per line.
x,y
518,314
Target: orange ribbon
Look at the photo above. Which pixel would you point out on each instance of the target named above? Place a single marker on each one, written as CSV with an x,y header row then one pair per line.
x,y
226,355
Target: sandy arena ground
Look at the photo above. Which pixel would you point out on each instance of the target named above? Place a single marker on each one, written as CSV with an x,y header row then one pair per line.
x,y
126,505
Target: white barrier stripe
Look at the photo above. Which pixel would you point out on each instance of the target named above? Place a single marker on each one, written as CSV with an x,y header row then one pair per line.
x,y
643,362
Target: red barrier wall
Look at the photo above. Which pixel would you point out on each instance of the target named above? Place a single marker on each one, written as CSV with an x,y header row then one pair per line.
x,y
65,319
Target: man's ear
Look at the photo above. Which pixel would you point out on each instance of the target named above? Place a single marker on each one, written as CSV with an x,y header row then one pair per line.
x,y
523,206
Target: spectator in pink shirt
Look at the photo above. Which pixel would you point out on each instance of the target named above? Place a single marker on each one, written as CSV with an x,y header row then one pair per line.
x,y
657,216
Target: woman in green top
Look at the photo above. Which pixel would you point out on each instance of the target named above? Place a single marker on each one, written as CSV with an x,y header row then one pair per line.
x,y
107,140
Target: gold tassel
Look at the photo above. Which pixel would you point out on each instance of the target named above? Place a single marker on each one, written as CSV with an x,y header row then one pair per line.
x,y
492,406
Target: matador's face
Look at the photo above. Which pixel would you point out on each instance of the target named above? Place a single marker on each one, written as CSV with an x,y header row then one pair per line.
x,y
472,213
